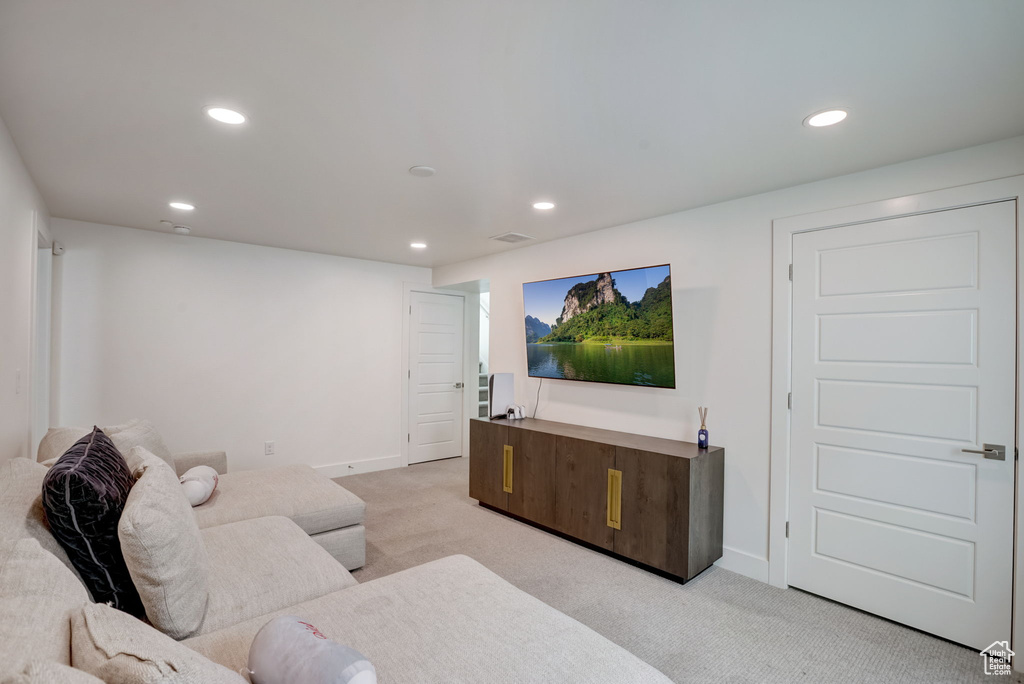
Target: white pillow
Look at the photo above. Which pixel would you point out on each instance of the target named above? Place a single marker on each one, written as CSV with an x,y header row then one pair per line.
x,y
198,484
164,550
288,650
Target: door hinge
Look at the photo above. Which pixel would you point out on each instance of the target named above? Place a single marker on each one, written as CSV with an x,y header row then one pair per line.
x,y
791,272
787,529
790,277
789,400
408,438
409,373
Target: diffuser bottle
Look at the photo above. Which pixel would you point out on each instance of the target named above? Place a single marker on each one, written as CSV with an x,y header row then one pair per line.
x,y
702,434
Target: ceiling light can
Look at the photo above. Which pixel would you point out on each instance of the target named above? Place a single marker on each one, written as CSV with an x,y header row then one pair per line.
x,y
225,115
543,206
181,230
826,117
418,245
181,206
422,171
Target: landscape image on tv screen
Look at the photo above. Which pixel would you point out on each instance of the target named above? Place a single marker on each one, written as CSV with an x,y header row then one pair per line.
x,y
605,327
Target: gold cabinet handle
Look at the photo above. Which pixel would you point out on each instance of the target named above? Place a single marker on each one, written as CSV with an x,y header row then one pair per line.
x,y
614,499
506,470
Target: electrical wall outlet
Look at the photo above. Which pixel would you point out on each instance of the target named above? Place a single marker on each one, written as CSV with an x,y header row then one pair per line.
x,y
268,448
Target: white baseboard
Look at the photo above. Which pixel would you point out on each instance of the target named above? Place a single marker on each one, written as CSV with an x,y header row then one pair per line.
x,y
355,467
744,563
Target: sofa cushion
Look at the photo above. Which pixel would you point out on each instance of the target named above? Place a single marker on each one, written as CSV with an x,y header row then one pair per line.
x,y
262,565
346,544
451,620
38,593
38,672
118,648
83,495
314,502
57,440
163,549
21,506
141,433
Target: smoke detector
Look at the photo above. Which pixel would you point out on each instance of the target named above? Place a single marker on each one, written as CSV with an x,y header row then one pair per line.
x,y
512,237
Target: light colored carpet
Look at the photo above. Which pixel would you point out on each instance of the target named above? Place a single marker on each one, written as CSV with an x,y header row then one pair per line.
x,y
719,627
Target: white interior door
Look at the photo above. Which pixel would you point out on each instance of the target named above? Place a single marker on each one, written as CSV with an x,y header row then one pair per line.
x,y
904,356
435,376
41,345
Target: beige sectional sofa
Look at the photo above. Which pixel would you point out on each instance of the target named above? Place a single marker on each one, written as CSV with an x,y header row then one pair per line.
x,y
451,620
326,511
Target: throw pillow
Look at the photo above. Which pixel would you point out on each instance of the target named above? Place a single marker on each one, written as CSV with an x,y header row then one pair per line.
x,y
38,593
163,549
142,433
83,496
198,484
57,440
287,649
118,648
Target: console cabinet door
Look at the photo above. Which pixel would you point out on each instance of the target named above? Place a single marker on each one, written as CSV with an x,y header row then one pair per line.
x,y
486,453
655,509
533,476
582,480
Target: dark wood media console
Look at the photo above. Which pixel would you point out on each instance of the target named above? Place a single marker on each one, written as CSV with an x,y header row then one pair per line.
x,y
655,502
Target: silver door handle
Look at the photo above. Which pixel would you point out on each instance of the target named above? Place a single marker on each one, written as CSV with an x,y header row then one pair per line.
x,y
458,385
996,452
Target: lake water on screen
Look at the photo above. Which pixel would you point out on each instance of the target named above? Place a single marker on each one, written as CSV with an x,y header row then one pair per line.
x,y
641,364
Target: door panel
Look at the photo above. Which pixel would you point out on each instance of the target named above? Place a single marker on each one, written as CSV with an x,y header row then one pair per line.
x,y
533,476
435,377
945,337
486,447
903,355
655,509
582,477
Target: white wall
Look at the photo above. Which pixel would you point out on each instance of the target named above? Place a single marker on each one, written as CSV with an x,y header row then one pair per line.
x,y
226,346
22,216
721,257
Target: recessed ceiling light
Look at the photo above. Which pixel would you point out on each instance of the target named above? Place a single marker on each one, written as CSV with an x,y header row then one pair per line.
x,y
228,116
184,206
181,230
828,117
423,171
418,245
544,205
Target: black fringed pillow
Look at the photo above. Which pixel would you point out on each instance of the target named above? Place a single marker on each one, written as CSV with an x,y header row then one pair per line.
x,y
83,496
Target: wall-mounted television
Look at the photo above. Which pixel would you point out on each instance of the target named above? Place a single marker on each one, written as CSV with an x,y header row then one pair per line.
x,y
613,327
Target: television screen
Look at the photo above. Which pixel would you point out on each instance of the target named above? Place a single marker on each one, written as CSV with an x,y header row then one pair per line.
x,y
605,327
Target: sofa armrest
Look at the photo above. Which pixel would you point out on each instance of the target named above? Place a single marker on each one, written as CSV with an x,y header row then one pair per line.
x,y
218,460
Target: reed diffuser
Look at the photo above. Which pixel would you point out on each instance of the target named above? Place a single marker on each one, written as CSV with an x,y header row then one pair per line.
x,y
702,434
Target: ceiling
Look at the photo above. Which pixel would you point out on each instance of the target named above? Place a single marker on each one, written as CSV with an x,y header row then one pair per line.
x,y
617,111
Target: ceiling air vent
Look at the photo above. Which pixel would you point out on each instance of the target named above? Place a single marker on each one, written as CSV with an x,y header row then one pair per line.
x,y
513,237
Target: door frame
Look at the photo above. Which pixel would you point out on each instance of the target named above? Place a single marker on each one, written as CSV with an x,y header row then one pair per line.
x,y
783,231
467,319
